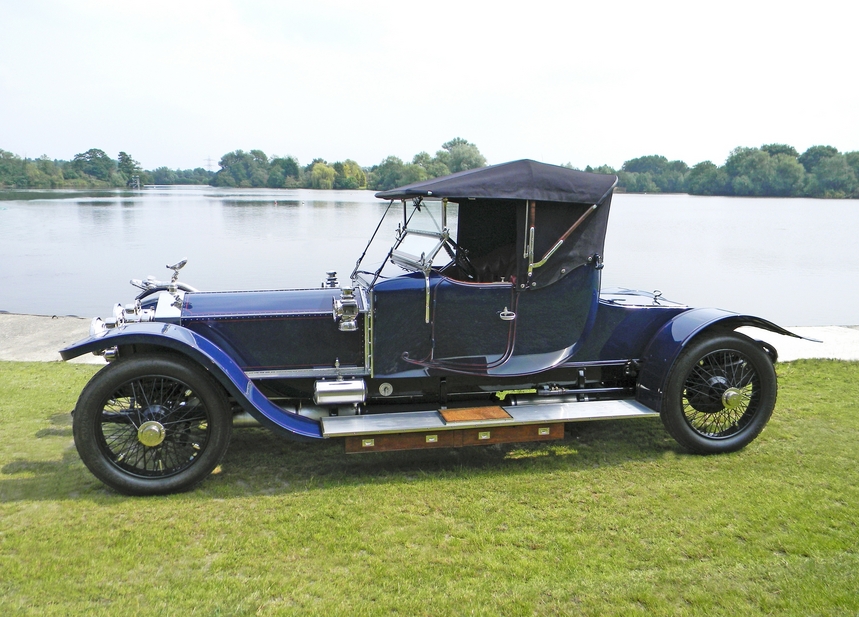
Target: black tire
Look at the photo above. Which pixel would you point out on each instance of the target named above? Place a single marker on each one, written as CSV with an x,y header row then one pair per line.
x,y
720,394
164,401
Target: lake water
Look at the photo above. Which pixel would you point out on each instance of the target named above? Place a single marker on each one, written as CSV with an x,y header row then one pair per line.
x,y
793,261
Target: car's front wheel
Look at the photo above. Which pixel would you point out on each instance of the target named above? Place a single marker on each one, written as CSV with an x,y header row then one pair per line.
x,y
150,425
720,394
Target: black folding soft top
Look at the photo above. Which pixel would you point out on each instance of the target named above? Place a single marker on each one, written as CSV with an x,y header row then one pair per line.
x,y
525,179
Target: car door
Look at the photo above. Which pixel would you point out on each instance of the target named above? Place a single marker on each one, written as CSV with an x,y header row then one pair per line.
x,y
472,325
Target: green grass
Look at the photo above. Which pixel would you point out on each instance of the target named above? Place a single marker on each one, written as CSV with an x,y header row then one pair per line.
x,y
614,519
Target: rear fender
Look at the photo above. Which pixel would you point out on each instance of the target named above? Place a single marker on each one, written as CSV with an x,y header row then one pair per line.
x,y
664,348
212,358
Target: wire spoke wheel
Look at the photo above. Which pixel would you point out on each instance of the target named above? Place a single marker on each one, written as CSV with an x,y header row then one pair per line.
x,y
720,394
152,424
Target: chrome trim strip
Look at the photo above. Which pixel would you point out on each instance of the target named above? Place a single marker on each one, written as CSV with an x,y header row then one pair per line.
x,y
307,372
598,363
368,299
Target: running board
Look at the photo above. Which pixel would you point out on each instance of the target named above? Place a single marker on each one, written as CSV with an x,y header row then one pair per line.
x,y
422,429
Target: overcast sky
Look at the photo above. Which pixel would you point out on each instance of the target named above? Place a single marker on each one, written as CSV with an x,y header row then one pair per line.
x,y
180,83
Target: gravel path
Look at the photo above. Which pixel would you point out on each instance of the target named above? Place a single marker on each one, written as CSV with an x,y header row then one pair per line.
x,y
39,338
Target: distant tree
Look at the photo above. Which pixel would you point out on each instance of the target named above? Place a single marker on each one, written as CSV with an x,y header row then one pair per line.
x,y
673,177
95,163
259,168
349,175
309,167
128,168
655,164
706,178
455,155
787,177
437,169
198,175
749,170
654,173
852,159
811,157
276,179
283,172
388,174
51,170
40,173
456,141
413,173
742,160
242,169
774,149
127,165
423,159
232,171
832,177
163,175
34,177
754,172
743,186
434,167
637,182
202,176
12,170
602,169
322,176
461,155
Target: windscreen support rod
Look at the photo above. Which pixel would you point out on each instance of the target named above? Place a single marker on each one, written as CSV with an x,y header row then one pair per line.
x,y
558,244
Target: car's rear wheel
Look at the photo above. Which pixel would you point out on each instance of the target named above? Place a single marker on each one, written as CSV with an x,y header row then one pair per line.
x,y
152,425
720,394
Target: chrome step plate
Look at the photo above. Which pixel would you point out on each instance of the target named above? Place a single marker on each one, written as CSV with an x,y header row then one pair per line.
x,y
414,421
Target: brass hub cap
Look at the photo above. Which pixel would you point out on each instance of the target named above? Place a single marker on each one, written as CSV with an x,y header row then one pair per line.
x,y
151,433
732,398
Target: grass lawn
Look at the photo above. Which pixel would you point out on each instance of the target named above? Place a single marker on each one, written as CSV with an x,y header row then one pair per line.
x,y
614,519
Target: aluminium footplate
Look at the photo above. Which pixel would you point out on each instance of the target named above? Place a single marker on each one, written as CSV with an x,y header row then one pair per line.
x,y
432,429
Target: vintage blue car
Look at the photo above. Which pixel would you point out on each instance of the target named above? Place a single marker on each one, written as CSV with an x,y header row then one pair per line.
x,y
483,323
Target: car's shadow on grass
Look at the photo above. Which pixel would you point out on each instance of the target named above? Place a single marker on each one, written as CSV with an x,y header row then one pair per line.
x,y
59,474
260,462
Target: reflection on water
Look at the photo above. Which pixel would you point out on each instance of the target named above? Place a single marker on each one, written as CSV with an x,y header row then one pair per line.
x,y
63,252
267,203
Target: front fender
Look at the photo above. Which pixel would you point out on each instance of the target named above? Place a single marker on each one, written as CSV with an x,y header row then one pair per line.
x,y
664,348
212,358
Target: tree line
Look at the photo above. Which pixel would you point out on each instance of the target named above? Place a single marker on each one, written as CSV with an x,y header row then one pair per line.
x,y
90,169
255,169
251,169
773,170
